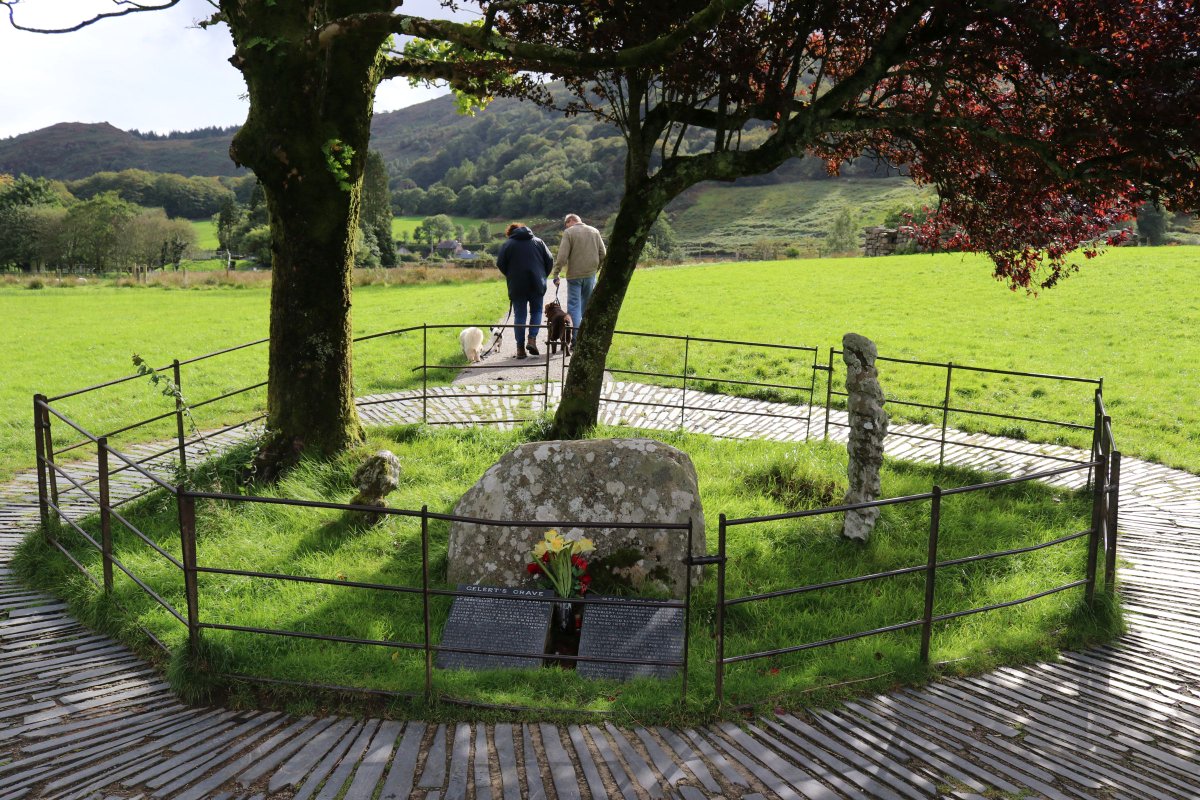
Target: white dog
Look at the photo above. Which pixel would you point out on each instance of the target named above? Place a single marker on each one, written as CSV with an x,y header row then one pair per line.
x,y
471,340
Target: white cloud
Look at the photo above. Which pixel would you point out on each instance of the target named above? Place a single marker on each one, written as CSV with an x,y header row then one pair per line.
x,y
154,71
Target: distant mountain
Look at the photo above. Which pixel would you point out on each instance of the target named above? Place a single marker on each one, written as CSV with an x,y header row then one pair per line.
x,y
512,160
421,144
73,150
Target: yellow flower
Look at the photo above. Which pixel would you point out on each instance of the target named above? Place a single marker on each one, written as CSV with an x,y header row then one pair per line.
x,y
539,549
555,543
582,545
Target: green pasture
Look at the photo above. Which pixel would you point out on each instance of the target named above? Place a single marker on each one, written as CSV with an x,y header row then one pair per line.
x,y
206,234
1126,317
734,478
471,224
61,339
206,230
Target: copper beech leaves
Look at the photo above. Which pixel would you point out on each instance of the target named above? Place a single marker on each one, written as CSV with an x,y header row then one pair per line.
x,y
1042,123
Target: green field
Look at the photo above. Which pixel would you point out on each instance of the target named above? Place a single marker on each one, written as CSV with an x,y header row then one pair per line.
x,y
86,335
206,230
1125,318
206,234
409,225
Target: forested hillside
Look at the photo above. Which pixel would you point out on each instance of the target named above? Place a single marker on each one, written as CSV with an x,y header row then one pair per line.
x,y
511,159
75,150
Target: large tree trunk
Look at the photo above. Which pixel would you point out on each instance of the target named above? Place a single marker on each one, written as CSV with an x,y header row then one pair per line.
x,y
580,406
306,139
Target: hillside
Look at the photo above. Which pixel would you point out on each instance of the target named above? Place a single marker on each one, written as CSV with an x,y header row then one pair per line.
x,y
512,160
74,150
723,219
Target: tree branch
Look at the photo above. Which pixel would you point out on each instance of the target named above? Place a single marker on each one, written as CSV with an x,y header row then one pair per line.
x,y
131,8
548,58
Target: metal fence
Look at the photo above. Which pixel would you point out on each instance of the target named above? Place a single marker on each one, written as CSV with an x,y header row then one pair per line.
x,y
1103,468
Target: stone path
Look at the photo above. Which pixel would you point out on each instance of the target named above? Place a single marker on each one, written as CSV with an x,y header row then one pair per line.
x,y
81,717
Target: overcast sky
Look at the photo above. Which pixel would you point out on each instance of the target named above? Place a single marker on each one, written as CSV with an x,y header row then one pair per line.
x,y
153,71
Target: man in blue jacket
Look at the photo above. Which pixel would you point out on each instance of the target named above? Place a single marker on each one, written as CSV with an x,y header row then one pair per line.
x,y
525,262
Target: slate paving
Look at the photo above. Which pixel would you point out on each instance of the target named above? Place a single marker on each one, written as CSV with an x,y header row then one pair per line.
x,y
82,717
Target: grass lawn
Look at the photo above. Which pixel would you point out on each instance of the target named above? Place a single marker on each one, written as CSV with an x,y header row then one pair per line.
x,y
735,478
61,339
1123,317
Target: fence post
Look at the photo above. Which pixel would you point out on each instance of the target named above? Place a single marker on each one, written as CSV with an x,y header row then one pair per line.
x,y
945,415
687,343
687,616
1098,523
720,665
48,445
425,603
828,393
40,448
424,374
1114,498
812,390
1095,434
179,416
935,523
187,536
105,512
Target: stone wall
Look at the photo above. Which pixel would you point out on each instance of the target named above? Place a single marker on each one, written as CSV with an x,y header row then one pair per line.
x,y
881,241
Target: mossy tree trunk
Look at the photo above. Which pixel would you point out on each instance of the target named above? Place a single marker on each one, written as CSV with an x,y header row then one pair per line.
x,y
306,140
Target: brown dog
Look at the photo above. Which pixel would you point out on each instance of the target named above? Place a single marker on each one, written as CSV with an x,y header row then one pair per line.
x,y
558,328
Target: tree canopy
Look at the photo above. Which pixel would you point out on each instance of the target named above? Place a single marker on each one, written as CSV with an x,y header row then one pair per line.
x,y
1040,122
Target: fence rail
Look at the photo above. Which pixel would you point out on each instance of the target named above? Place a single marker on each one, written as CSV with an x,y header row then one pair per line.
x,y
1103,468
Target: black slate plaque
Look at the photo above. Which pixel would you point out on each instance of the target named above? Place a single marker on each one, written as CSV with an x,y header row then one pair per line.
x,y
488,621
646,630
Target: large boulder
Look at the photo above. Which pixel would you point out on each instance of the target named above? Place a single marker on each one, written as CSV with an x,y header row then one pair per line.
x,y
596,480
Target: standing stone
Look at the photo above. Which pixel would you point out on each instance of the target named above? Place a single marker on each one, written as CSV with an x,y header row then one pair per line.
x,y
595,480
868,427
375,479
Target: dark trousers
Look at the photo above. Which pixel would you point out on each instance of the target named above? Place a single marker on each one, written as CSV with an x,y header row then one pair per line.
x,y
528,308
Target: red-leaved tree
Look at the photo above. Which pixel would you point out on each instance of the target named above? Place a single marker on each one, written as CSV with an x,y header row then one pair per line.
x,y
1041,122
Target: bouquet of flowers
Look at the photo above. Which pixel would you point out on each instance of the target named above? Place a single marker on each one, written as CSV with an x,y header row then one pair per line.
x,y
559,562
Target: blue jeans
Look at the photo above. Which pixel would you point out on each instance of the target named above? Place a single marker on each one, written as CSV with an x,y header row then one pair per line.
x,y
579,291
526,308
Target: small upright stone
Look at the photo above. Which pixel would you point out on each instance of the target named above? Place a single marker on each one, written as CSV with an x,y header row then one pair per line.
x,y
868,427
375,479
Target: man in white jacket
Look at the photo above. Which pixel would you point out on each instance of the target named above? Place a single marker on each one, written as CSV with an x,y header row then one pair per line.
x,y
581,251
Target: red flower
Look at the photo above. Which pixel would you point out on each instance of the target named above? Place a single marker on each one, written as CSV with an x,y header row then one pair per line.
x,y
533,568
579,562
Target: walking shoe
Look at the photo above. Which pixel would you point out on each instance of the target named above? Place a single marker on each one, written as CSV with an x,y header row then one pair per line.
x,y
520,351
531,346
